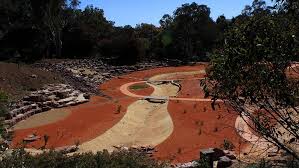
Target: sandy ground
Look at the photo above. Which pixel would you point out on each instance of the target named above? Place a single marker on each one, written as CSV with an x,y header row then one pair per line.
x,y
43,119
144,124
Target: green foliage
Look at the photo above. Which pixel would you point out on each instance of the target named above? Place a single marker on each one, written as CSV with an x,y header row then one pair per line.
x,y
3,103
227,145
139,87
189,33
254,58
33,30
204,163
122,159
250,70
3,96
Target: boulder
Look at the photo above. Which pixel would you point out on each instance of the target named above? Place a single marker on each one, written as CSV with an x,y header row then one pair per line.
x,y
31,138
35,98
33,76
218,153
153,99
223,162
67,149
207,154
86,96
66,100
61,94
81,99
231,156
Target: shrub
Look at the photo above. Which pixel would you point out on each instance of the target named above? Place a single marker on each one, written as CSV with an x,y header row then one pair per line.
x,y
118,110
121,159
3,103
228,145
203,163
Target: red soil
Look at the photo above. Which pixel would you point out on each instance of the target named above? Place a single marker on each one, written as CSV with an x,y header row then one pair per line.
x,y
197,126
191,89
92,119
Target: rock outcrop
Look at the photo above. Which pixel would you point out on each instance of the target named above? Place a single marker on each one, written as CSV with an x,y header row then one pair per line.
x,y
50,96
88,74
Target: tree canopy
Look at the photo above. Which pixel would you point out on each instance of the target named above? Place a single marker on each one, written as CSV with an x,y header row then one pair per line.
x,y
250,71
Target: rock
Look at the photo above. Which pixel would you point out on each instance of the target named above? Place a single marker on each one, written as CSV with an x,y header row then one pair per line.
x,y
35,98
62,94
223,162
217,153
45,108
161,100
66,100
81,99
31,138
67,149
33,76
187,165
52,97
86,96
207,154
231,156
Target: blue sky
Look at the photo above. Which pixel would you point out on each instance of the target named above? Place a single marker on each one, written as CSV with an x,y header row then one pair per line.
x,y
132,12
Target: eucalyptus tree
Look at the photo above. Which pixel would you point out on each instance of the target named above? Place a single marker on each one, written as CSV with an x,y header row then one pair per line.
x,y
249,73
190,31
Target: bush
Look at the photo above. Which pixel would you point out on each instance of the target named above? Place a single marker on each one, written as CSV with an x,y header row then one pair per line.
x,y
204,163
121,159
228,145
3,103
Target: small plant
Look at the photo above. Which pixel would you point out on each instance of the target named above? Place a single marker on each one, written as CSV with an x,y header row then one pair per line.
x,y
77,143
199,123
216,129
185,111
199,132
118,110
194,106
3,96
204,109
228,145
46,139
179,150
204,163
3,103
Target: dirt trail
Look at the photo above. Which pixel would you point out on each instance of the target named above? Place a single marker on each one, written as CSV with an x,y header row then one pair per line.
x,y
144,123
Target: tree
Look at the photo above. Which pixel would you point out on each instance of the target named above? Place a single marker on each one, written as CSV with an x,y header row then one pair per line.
x,y
147,35
249,73
191,31
74,4
55,23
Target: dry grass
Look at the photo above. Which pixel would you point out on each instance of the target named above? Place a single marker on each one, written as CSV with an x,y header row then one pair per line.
x,y
17,80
